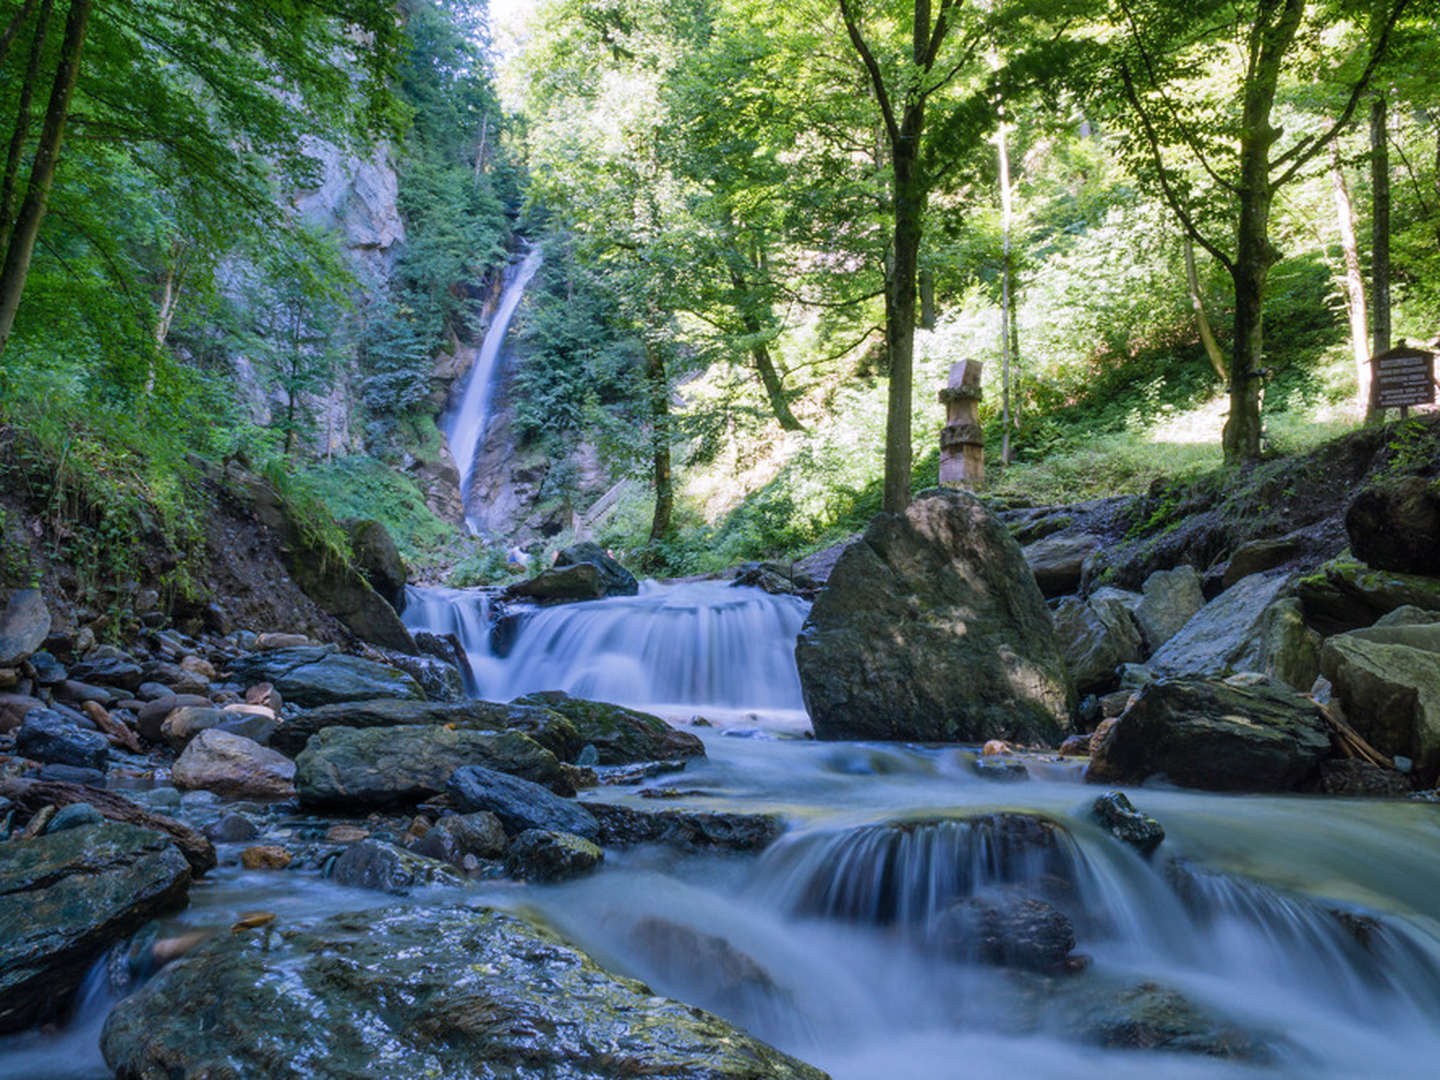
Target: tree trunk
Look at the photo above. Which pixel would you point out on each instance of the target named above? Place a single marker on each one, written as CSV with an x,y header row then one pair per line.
x,y
927,300
21,244
7,36
10,185
660,441
1354,281
1202,321
1379,227
760,353
909,208
1005,313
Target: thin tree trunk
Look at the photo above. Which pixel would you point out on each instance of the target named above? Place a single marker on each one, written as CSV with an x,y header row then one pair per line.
x,y
7,36
909,196
927,300
10,185
42,173
1379,227
1354,281
660,441
760,353
1202,321
1005,314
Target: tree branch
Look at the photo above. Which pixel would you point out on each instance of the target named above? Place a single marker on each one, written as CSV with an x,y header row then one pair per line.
x,y
873,68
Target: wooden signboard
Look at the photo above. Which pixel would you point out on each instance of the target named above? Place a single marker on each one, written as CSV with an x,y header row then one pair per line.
x,y
1403,376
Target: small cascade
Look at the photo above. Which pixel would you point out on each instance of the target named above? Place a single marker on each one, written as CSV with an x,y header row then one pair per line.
x,y
671,649
465,426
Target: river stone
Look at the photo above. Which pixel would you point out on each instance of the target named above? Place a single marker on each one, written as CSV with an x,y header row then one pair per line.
x,y
456,835
1359,779
518,803
186,722
151,717
14,708
727,977
618,581
1118,815
1225,635
582,581
375,555
234,767
1096,637
549,855
65,897
1058,561
387,766
1345,594
1289,650
1208,734
548,728
1148,1016
309,676
450,993
374,864
1387,679
440,679
620,736
688,830
1170,599
931,628
50,738
1394,524
1258,556
109,666
24,625
1004,930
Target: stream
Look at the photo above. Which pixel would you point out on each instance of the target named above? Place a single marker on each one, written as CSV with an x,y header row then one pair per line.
x,y
814,946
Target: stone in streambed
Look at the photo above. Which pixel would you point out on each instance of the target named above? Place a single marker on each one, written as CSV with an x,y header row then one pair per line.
x,y
65,897
1171,598
1004,930
619,735
1395,525
1097,636
388,766
550,855
1058,561
1119,816
486,995
455,836
24,625
617,580
932,628
518,803
373,864
1387,678
582,581
50,738
310,676
1226,635
151,717
235,767
688,830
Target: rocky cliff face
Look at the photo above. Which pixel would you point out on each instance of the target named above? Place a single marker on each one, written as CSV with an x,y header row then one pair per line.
x,y
359,197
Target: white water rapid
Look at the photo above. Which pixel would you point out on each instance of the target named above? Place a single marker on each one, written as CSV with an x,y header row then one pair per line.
x,y
465,425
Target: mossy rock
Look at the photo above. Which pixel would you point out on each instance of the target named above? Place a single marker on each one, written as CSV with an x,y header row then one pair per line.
x,y
620,735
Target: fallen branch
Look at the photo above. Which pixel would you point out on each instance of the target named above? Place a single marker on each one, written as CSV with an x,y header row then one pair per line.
x,y
1351,743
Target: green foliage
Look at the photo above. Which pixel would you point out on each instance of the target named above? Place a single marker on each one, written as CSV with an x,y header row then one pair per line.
x,y
361,487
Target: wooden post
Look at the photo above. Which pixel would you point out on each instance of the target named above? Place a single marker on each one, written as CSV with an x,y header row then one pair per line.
x,y
962,442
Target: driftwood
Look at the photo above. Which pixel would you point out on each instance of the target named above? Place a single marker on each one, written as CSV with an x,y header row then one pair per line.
x,y
35,795
1351,743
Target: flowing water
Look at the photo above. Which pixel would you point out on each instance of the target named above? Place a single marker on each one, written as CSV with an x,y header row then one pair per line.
x,y
465,425
1309,929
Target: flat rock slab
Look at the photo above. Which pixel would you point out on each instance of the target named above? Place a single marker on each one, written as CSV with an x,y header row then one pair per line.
x,y
620,736
549,729
519,804
448,993
690,830
66,896
1224,636
309,676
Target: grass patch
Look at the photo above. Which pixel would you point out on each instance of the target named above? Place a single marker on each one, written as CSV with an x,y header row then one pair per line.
x,y
362,487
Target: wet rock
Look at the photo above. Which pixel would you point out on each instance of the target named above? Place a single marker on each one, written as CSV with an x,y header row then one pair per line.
x,y
486,995
440,679
24,625
266,695
617,580
457,835
777,579
14,708
1058,561
1345,594
1207,734
74,816
313,675
619,735
266,857
1002,771
1289,650
1258,556
65,897
582,581
232,829
518,803
48,670
151,717
234,767
1152,1017
1171,598
71,774
689,830
931,628
373,864
1004,930
730,979
1387,679
1096,637
1141,831
110,666
183,724
548,855
548,728
1224,636
1361,779
387,766
50,738
1394,525
378,560
1075,746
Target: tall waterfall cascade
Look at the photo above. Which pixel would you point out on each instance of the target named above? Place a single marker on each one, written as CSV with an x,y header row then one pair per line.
x,y
466,424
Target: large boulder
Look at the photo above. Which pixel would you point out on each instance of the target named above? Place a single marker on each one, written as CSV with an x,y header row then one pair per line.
x,y
582,581
361,768
1097,636
485,995
932,628
311,675
620,735
24,625
1387,678
235,767
1345,594
518,803
1203,733
549,729
1171,599
1395,525
617,580
1058,561
1225,635
65,897
378,560
53,739
1289,649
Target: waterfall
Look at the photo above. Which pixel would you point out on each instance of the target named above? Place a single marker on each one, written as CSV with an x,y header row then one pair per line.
x,y
465,426
701,645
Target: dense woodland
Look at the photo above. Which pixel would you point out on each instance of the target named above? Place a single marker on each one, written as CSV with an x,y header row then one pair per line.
x,y
1171,232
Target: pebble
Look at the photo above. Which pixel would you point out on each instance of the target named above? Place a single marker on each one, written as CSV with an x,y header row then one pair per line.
x,y
265,857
